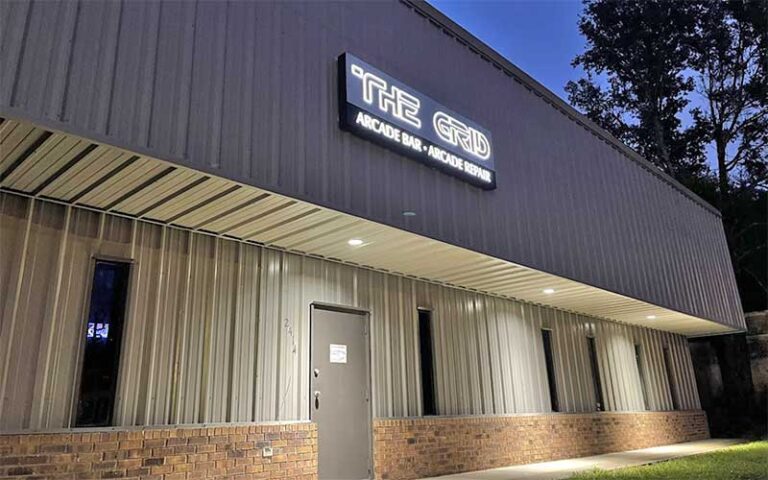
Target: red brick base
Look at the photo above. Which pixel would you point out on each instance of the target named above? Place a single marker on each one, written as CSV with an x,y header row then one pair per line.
x,y
403,448
165,453
424,447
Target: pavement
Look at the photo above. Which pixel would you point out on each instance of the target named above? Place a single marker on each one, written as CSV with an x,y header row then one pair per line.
x,y
566,468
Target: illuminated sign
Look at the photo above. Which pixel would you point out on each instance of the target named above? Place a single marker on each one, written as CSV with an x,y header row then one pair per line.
x,y
377,107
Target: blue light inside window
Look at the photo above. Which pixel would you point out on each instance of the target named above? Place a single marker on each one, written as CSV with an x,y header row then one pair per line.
x,y
102,330
99,331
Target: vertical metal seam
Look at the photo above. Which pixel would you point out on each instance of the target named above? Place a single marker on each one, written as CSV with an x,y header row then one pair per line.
x,y
15,308
103,123
151,403
403,369
21,51
257,330
236,325
44,405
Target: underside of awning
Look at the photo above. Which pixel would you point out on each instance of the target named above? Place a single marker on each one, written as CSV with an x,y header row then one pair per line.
x,y
38,162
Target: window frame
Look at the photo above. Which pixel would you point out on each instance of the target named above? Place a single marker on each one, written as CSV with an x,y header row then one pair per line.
x,y
428,386
594,363
549,365
82,343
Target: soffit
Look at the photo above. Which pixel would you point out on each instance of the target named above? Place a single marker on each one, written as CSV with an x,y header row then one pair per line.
x,y
66,168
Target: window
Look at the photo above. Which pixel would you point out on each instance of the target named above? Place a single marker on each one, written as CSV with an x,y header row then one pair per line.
x,y
427,366
641,373
546,337
101,359
599,404
671,379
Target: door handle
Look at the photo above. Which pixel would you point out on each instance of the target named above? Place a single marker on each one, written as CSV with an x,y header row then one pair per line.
x,y
317,399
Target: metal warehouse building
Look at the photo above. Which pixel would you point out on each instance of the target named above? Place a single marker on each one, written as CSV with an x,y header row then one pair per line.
x,y
326,240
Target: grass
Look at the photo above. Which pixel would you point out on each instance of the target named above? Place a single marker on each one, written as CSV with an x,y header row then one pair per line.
x,y
741,462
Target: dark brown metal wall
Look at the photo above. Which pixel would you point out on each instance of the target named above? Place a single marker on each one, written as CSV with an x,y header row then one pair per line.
x,y
247,91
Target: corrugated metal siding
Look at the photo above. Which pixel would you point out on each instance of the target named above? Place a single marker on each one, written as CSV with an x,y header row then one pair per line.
x,y
218,330
247,90
75,171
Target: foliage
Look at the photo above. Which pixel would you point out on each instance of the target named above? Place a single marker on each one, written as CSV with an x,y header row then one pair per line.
x,y
646,91
646,61
741,462
729,59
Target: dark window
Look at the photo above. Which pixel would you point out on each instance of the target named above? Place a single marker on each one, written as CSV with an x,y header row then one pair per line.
x,y
102,344
641,372
546,337
671,379
599,404
427,366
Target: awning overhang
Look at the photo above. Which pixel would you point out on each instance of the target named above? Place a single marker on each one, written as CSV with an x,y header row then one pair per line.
x,y
56,166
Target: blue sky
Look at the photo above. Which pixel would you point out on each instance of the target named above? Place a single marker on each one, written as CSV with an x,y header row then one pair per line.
x,y
539,36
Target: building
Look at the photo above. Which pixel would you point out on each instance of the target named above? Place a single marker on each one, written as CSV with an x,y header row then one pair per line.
x,y
340,240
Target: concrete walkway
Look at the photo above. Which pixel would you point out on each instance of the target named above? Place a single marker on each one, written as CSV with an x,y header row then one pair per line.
x,y
566,468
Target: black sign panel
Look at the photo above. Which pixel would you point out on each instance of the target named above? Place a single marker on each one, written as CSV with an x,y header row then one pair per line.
x,y
379,108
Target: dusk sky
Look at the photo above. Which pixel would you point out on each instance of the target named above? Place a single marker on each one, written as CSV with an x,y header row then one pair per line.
x,y
539,36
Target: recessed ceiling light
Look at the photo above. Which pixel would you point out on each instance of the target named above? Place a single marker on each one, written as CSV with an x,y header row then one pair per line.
x,y
651,317
408,213
355,242
549,291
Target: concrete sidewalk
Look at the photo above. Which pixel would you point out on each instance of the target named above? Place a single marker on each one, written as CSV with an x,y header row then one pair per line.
x,y
566,468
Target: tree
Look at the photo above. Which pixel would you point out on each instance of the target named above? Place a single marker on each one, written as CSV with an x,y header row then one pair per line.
x,y
732,78
646,91
730,61
651,64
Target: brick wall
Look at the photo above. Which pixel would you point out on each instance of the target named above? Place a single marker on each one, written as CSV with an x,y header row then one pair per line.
x,y
404,448
423,447
164,453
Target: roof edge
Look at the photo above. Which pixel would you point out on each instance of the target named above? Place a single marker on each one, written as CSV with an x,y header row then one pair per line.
x,y
494,57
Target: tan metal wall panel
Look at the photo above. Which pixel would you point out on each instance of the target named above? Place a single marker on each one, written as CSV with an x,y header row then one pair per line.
x,y
247,91
218,330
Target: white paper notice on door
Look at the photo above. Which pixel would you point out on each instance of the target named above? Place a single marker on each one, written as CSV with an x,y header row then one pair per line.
x,y
338,353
